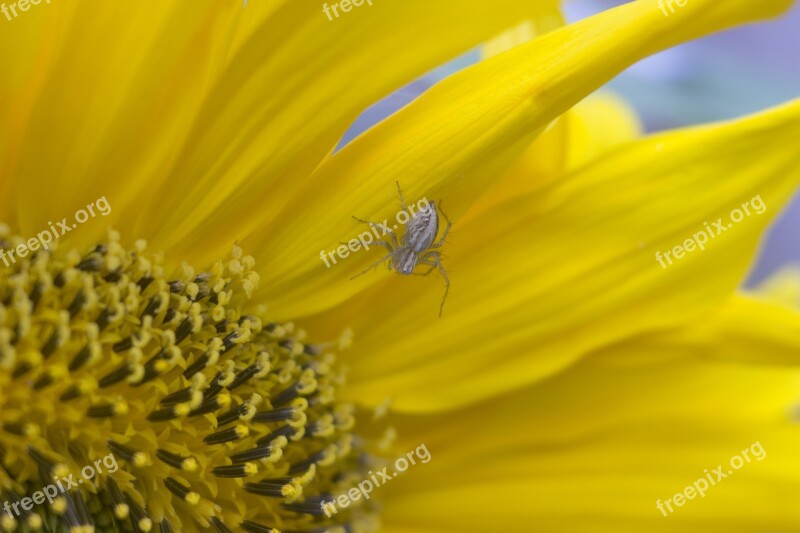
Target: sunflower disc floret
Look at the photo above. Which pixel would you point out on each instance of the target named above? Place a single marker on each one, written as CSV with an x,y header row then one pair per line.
x,y
218,419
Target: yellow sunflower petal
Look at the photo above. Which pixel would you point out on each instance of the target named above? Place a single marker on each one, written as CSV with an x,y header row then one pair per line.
x,y
596,448
330,72
783,287
603,121
456,140
103,95
591,128
186,95
727,332
541,280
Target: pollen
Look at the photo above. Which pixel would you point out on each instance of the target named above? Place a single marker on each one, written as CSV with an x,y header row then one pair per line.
x,y
217,418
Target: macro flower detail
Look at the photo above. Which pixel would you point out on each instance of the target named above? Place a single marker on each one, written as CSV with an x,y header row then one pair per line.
x,y
221,419
571,381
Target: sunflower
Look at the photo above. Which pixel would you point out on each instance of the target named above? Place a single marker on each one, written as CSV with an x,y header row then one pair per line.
x,y
599,447
183,341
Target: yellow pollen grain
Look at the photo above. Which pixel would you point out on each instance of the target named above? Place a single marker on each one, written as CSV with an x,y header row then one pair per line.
x,y
59,505
189,465
141,459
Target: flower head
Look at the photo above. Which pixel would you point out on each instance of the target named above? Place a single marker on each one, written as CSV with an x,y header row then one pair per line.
x,y
219,418
211,128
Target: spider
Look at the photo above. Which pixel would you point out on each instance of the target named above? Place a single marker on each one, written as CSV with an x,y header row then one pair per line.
x,y
416,246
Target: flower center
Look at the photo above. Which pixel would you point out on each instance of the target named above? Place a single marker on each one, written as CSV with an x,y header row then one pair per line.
x,y
132,398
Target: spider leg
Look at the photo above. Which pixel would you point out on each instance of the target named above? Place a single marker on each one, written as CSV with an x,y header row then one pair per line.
x,y
431,269
385,245
385,229
400,193
382,243
433,259
384,258
446,229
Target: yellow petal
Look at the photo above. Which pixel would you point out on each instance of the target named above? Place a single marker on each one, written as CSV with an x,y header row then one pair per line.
x,y
216,108
101,96
541,280
745,328
326,73
600,123
455,141
783,287
595,449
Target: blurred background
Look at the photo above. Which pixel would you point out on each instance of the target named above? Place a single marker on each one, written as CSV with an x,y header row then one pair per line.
x,y
720,77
